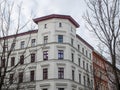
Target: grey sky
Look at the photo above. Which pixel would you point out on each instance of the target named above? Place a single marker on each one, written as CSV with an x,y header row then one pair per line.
x,y
74,8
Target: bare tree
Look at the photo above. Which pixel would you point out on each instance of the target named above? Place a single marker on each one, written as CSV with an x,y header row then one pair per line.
x,y
104,21
7,46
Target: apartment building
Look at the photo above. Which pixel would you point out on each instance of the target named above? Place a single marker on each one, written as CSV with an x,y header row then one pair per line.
x,y
53,57
101,81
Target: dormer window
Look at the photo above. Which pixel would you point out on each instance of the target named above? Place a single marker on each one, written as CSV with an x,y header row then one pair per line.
x,y
60,24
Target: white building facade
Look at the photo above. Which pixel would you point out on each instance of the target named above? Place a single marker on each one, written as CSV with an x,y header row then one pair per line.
x,y
53,57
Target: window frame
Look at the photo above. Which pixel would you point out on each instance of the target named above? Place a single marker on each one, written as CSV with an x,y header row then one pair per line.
x,y
21,59
45,55
20,77
45,73
45,39
60,54
73,75
33,42
60,38
60,73
11,78
12,61
32,75
22,44
33,57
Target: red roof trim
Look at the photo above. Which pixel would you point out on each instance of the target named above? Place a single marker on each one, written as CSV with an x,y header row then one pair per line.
x,y
36,20
86,43
19,34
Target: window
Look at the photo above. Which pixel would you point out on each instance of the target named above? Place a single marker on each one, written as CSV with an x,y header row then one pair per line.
x,y
90,55
60,38
5,45
83,50
45,55
84,80
12,61
45,73
20,77
45,26
83,64
61,73
22,59
88,80
73,77
11,78
33,42
79,78
90,68
32,57
60,54
71,41
79,61
78,47
45,39
32,75
60,24
86,53
60,88
13,45
22,44
87,66
3,62
72,57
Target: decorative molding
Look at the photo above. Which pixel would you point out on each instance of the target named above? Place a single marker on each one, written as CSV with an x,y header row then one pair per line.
x,y
73,67
59,31
46,33
32,67
72,50
59,46
45,85
45,65
45,47
61,64
74,86
61,84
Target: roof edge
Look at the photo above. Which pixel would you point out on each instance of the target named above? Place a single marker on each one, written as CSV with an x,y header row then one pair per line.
x,y
36,20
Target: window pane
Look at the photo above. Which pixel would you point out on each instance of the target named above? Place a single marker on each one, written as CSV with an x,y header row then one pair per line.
x,y
33,57
33,42
11,78
20,77
45,39
73,75
60,38
12,61
61,73
60,54
45,55
22,59
22,44
31,75
3,62
45,73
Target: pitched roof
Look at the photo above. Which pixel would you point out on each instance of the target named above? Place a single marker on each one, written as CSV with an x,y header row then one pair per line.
x,y
20,34
36,20
86,43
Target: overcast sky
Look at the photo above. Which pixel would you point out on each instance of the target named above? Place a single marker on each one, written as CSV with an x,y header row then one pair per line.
x,y
74,8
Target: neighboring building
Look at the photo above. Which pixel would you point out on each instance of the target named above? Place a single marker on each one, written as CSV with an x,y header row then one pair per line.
x,y
99,72
103,73
55,58
111,76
